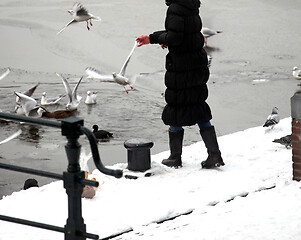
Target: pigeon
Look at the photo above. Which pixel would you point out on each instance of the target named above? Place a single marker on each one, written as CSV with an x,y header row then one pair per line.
x,y
297,73
117,77
59,114
80,14
11,137
50,101
286,141
27,104
5,74
101,134
28,93
91,98
74,99
272,119
207,33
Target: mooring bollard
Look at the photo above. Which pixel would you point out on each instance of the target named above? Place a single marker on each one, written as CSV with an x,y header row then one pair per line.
x,y
138,151
296,135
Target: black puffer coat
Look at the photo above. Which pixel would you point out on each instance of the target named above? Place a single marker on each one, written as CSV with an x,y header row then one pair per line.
x,y
186,64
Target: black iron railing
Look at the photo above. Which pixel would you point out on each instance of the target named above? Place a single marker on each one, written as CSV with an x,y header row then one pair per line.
x,y
74,178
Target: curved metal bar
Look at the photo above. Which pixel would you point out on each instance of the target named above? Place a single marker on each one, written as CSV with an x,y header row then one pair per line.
x,y
93,143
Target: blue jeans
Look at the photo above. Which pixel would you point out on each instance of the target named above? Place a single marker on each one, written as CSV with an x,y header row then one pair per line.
x,y
180,128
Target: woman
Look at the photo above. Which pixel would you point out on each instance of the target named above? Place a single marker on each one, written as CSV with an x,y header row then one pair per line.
x,y
186,76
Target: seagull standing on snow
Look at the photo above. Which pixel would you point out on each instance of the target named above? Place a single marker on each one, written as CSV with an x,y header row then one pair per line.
x,y
272,119
5,74
50,101
117,77
74,99
91,98
80,14
207,33
297,73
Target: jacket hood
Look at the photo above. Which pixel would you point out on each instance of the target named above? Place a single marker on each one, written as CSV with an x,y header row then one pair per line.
x,y
192,4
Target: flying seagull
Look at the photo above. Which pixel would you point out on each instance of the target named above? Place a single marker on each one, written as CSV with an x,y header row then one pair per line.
x,y
117,77
74,99
80,14
27,104
272,119
28,93
297,73
207,33
5,74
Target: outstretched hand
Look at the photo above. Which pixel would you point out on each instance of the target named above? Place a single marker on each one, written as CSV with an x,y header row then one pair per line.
x,y
142,40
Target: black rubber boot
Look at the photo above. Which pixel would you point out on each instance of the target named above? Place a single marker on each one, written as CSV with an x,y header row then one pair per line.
x,y
175,145
214,155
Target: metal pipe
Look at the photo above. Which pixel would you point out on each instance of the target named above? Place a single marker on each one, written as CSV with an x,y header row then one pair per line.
x,y
44,226
32,171
38,121
93,143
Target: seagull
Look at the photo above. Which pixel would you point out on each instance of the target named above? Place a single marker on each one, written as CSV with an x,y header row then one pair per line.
x,y
83,160
272,119
5,74
101,134
91,98
117,77
74,99
59,114
94,73
207,32
27,104
286,141
80,14
209,60
50,101
297,73
11,137
28,93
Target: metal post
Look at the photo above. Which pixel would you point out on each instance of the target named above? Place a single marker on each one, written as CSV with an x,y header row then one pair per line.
x,y
75,226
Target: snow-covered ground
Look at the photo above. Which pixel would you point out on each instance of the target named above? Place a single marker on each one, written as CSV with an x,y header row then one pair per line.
x,y
252,197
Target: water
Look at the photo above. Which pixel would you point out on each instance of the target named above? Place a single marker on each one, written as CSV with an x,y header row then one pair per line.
x,y
250,73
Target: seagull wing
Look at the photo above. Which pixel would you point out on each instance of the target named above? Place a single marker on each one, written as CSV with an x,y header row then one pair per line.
x,y
54,100
79,9
67,87
30,91
275,118
94,73
11,137
123,69
5,74
27,103
74,93
96,18
72,21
